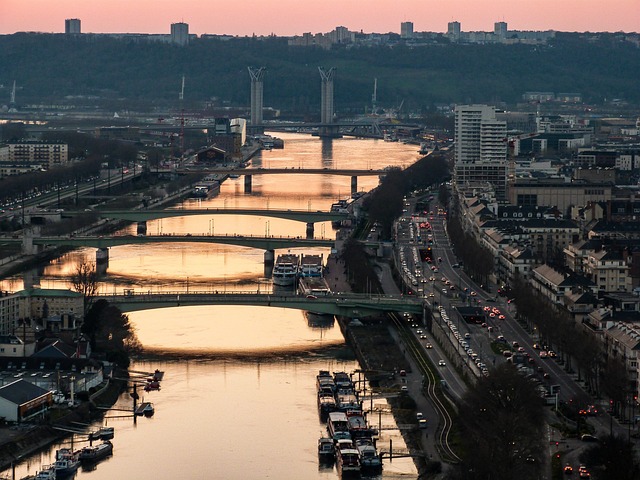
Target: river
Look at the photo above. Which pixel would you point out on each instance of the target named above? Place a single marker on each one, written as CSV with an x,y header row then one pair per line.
x,y
238,399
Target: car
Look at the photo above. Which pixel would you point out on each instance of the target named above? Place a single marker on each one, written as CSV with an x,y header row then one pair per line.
x,y
419,332
419,415
442,363
403,373
422,423
568,469
588,438
423,337
431,295
473,294
404,388
428,345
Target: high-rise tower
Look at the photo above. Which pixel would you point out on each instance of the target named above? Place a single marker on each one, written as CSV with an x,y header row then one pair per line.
x,y
480,148
72,26
180,33
257,75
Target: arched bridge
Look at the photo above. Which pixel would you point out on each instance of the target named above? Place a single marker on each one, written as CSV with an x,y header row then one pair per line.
x,y
144,215
348,305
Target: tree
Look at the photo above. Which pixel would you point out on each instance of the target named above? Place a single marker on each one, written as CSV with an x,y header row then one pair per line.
x,y
502,423
85,281
615,458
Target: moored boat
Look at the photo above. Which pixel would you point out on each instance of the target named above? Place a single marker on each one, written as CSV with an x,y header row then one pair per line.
x,y
48,472
146,409
326,405
93,453
326,450
338,425
104,433
370,461
66,463
285,270
347,458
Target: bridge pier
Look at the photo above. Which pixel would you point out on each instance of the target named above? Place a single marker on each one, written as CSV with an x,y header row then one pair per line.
x,y
354,185
102,260
247,183
310,229
142,228
269,257
27,242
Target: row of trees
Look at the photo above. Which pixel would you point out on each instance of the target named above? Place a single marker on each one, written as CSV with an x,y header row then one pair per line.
x,y
478,260
556,327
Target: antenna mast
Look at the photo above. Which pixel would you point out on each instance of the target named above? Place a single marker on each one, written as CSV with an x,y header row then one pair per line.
x,y
374,97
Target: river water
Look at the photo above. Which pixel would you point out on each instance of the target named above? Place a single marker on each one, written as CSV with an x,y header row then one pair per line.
x,y
238,399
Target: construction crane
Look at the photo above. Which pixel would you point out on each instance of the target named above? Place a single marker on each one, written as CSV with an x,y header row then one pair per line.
x,y
181,98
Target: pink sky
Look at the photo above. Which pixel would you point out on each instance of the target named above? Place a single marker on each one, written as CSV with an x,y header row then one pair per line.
x,y
294,17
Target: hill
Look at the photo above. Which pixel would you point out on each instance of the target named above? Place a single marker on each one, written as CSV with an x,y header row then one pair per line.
x,y
118,74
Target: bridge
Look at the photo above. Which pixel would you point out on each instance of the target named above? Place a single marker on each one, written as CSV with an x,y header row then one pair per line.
x,y
309,217
249,172
342,304
269,244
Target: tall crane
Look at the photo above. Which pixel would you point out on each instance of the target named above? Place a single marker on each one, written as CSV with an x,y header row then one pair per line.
x,y
181,98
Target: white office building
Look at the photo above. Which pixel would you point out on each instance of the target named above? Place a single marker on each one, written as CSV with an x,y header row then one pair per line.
x,y
480,148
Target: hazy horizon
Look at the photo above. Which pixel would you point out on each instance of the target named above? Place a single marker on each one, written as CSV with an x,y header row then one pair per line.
x,y
295,17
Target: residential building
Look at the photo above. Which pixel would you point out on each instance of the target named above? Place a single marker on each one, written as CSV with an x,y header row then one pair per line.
x,y
480,148
72,26
34,154
500,30
406,30
13,346
608,270
554,284
180,34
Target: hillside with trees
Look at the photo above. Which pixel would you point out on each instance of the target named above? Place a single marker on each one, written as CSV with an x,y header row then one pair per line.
x,y
137,75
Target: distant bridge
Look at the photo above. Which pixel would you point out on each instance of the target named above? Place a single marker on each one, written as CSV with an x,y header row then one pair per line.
x,y
144,215
347,305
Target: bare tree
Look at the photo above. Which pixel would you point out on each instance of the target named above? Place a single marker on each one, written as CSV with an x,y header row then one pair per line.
x,y
85,281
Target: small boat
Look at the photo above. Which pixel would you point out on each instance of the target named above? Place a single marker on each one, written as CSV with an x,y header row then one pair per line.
x,y
158,375
326,450
347,457
152,385
104,433
66,464
146,409
93,453
48,472
370,461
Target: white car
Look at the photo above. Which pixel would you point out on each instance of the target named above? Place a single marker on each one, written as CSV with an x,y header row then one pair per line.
x,y
442,363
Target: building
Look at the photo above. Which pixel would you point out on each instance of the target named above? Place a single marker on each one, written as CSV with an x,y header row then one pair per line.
x,y
21,400
500,30
180,33
64,309
34,154
453,29
406,30
480,148
554,285
72,26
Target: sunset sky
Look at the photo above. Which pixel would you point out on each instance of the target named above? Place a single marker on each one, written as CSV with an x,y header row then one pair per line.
x,y
294,17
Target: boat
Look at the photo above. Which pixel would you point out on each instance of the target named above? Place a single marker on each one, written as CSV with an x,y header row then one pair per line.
x,y
347,458
326,450
158,375
104,433
146,409
93,453
285,269
66,464
326,405
343,381
358,427
325,383
370,461
205,189
152,385
311,266
338,426
424,148
48,472
347,401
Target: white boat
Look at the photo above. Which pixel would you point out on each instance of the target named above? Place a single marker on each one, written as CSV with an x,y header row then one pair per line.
x,y
67,463
338,426
93,453
48,472
311,266
285,270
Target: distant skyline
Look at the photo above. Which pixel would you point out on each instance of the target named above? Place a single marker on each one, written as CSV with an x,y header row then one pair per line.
x,y
295,17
